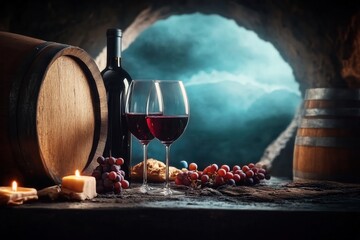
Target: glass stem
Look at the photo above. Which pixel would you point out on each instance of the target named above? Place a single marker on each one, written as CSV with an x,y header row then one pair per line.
x,y
145,164
167,182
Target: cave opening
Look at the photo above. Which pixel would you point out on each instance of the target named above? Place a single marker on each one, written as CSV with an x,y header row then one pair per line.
x,y
242,92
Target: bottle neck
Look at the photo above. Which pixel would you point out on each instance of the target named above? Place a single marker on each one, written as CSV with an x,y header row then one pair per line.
x,y
113,51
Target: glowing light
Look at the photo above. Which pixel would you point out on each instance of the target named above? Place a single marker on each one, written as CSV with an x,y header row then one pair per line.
x,y
14,186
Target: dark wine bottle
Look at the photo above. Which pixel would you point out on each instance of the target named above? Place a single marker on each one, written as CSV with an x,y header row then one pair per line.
x,y
117,81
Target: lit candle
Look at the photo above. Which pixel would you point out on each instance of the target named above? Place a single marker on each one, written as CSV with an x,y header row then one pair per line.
x,y
79,187
15,195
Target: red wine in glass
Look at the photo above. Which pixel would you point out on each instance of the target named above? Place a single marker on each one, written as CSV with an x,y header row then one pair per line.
x,y
169,98
167,128
138,127
135,111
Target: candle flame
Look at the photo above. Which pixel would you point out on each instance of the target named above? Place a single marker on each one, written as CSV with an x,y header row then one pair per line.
x,y
14,186
77,173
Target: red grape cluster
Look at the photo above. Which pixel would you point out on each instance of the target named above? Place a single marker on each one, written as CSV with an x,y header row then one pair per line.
x,y
213,176
109,176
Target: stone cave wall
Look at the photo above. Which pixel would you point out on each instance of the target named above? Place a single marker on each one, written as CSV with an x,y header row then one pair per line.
x,y
321,41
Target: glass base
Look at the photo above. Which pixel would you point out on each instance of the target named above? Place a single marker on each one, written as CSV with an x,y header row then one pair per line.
x,y
144,188
165,192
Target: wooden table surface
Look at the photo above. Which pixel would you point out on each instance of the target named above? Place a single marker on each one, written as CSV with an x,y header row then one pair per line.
x,y
277,208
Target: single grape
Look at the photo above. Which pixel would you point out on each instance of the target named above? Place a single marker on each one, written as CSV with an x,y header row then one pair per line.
x,y
183,164
231,182
214,167
245,168
111,160
112,175
261,170
193,166
207,170
249,173
229,175
115,168
119,161
249,181
237,177
226,167
221,172
238,171
100,160
242,175
236,168
119,178
125,184
117,185
260,175
194,176
205,178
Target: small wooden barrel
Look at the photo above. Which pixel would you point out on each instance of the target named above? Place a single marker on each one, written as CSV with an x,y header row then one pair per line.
x,y
53,111
327,144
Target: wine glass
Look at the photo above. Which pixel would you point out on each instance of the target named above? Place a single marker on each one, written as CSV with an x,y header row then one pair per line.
x,y
167,117
135,110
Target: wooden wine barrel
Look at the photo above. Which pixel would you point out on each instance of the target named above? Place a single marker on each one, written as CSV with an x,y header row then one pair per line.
x,y
327,144
53,111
